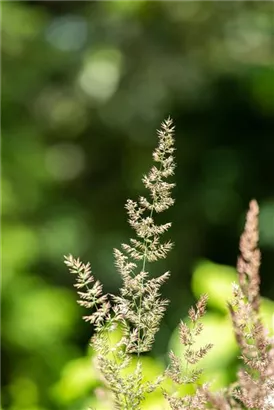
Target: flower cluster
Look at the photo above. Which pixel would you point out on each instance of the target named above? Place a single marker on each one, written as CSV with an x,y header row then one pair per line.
x,y
139,308
256,379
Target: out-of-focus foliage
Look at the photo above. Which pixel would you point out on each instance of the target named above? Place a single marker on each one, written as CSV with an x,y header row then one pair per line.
x,y
84,85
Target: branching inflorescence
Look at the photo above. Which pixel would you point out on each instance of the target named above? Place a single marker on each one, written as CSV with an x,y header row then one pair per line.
x,y
138,309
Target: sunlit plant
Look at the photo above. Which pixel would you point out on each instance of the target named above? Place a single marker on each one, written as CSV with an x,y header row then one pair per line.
x,y
139,308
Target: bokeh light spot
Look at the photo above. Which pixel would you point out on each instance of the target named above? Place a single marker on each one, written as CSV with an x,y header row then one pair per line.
x,y
100,74
67,33
65,161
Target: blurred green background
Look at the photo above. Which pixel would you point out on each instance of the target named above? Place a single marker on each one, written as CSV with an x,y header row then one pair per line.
x,y
84,87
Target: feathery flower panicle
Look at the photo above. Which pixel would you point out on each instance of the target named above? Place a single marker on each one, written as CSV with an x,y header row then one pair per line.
x,y
249,260
256,379
139,308
89,297
140,302
180,370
